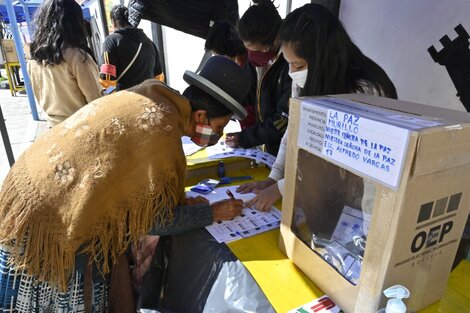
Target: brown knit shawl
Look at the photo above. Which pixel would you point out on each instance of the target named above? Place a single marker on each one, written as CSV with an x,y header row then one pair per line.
x,y
96,182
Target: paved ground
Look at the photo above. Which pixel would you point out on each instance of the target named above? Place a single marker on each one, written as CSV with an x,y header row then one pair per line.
x,y
21,127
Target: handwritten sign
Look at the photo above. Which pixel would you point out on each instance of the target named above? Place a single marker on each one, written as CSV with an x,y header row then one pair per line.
x,y
373,148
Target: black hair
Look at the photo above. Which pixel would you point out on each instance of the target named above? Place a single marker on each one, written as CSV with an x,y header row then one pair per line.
x,y
223,39
59,25
201,100
120,14
260,23
336,64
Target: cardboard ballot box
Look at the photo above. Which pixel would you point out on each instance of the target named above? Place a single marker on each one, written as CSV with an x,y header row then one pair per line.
x,y
377,194
9,50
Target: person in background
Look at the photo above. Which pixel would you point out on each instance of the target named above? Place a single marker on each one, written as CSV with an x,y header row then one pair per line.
x,y
92,187
64,76
308,37
132,55
259,29
223,39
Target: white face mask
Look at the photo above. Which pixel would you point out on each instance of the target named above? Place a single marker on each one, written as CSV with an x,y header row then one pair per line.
x,y
299,77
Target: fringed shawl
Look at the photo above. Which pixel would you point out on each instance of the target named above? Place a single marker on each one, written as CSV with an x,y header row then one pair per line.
x,y
96,182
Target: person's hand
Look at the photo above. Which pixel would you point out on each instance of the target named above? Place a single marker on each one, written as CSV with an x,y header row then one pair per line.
x,y
255,186
265,198
226,209
231,139
195,200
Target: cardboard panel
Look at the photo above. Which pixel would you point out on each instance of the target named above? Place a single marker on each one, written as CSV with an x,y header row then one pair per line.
x,y
414,229
443,148
8,47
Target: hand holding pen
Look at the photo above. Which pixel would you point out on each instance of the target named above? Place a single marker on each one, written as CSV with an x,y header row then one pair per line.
x,y
230,194
227,209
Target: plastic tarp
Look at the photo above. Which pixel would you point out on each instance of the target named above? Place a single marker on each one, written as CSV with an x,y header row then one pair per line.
x,y
192,273
236,291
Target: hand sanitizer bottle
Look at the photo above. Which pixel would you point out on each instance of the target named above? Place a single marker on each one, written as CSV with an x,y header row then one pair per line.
x,y
396,294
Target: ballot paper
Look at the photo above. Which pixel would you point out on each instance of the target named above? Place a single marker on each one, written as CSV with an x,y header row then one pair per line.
x,y
251,222
189,147
219,148
254,154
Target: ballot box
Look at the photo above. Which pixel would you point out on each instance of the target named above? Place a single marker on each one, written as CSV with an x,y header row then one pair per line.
x,y
377,194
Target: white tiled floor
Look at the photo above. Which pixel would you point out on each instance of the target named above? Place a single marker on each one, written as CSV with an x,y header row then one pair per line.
x,y
21,127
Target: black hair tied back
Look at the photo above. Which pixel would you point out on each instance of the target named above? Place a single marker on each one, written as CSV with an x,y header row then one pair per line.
x,y
260,23
120,14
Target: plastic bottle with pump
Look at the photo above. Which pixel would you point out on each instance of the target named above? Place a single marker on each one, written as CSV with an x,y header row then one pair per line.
x,y
395,304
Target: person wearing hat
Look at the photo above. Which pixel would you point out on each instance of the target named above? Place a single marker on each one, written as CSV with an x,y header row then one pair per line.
x,y
92,186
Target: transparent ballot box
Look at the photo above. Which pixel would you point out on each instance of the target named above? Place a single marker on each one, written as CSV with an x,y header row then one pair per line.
x,y
376,195
332,213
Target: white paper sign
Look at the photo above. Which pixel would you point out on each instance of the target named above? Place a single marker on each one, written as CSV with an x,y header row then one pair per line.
x,y
400,119
373,148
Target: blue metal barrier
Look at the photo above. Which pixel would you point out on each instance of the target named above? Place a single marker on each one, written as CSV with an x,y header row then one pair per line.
x,y
20,51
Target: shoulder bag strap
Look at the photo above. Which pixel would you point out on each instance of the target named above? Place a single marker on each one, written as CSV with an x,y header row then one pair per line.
x,y
130,64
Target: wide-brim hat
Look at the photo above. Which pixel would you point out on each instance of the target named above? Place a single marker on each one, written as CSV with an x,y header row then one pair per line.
x,y
225,81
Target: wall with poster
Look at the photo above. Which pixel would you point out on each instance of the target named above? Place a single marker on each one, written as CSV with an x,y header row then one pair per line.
x,y
397,34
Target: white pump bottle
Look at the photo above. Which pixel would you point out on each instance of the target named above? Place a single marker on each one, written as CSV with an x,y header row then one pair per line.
x,y
395,303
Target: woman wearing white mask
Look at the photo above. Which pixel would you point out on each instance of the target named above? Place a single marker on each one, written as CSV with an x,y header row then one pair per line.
x,y
322,61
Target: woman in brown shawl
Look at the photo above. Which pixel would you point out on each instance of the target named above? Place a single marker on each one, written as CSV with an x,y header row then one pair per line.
x,y
96,183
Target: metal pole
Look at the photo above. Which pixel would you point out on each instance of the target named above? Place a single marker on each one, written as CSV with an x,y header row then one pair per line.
x,y
207,55
26,17
157,34
6,139
288,7
104,18
19,49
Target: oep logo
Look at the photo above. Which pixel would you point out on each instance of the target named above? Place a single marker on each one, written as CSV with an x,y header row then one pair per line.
x,y
434,222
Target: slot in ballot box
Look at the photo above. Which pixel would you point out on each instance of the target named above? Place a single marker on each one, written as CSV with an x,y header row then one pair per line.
x,y
377,194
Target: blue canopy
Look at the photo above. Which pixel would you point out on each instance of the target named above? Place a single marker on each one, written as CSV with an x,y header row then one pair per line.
x,y
18,11
32,7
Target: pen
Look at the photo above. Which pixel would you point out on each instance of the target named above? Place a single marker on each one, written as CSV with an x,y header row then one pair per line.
x,y
230,194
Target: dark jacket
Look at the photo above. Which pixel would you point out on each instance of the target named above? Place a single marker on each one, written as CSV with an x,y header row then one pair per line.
x,y
190,16
122,46
272,108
